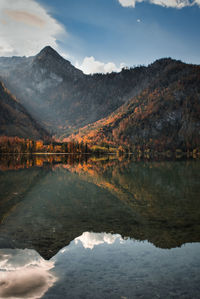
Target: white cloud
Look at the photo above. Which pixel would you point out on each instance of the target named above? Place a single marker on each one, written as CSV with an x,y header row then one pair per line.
x,y
173,3
89,240
91,66
26,27
128,3
164,3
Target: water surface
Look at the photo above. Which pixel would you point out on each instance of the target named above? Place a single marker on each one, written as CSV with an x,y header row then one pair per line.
x,y
85,227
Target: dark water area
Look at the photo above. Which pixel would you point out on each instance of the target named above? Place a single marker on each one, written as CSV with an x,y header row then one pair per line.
x,y
99,227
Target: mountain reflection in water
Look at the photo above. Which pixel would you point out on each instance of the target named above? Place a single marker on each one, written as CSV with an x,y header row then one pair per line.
x,y
100,265
52,204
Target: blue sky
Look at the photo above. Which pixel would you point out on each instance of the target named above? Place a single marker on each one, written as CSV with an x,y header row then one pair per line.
x,y
99,35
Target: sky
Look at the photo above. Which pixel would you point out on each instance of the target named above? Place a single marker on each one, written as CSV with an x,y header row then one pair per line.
x,y
102,35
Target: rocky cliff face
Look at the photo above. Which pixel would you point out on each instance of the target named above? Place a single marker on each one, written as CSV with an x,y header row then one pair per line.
x,y
15,120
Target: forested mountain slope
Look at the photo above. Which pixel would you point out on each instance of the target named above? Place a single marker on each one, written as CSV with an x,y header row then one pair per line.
x,y
164,115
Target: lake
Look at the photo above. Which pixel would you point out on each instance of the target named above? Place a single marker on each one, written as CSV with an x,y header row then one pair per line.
x,y
99,227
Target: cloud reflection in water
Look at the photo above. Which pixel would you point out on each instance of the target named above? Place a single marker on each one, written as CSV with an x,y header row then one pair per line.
x,y
89,240
24,274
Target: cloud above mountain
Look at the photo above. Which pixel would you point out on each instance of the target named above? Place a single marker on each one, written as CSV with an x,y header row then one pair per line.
x,y
165,3
25,29
90,65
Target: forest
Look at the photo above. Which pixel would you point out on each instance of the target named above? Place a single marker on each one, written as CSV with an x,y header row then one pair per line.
x,y
20,145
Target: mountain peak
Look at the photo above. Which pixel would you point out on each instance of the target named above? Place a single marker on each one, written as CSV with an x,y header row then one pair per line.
x,y
48,51
49,59
163,62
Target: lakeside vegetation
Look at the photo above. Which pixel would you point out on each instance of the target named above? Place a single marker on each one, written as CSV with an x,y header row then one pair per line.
x,y
16,145
21,145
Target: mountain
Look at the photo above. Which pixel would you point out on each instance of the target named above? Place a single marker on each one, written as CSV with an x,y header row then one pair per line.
x,y
15,120
151,106
64,99
166,115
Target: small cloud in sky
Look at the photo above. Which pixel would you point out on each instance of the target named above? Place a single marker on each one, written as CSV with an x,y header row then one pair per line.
x,y
26,29
128,3
25,17
138,21
164,3
90,66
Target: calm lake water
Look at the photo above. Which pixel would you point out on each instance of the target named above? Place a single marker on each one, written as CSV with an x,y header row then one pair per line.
x,y
107,227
